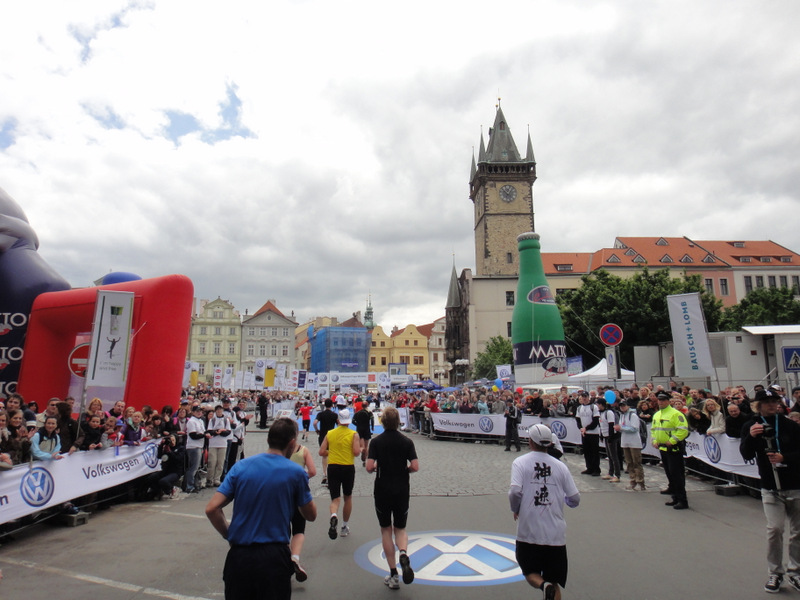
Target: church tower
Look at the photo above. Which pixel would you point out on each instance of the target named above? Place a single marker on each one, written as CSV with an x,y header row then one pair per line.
x,y
501,189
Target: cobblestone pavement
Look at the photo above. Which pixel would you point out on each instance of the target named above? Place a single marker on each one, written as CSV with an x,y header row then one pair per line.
x,y
442,470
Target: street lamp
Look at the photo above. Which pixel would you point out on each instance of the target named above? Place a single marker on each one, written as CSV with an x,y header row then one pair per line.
x,y
461,367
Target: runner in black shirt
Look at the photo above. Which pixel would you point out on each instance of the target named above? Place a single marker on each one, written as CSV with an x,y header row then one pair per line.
x,y
392,457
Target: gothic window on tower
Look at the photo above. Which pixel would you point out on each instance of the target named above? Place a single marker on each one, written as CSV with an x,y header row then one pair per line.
x,y
509,257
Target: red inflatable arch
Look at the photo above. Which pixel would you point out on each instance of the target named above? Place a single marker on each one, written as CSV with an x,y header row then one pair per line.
x,y
161,322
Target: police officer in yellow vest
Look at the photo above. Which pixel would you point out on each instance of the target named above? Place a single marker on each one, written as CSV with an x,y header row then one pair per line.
x,y
669,429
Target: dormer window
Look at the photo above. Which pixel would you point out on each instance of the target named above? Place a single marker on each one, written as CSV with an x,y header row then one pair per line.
x,y
709,259
687,259
613,258
738,244
639,259
666,259
630,252
744,259
766,259
786,259
662,242
563,267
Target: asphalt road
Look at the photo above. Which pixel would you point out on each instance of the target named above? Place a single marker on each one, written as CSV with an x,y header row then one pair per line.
x,y
620,544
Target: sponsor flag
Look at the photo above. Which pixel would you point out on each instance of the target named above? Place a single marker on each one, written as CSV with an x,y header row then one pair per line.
x,y
689,336
503,371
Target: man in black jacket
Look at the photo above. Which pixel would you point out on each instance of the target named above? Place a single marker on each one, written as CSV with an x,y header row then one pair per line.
x,y
774,442
513,417
735,420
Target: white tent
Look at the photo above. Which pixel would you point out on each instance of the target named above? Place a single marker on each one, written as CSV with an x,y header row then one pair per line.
x,y
598,375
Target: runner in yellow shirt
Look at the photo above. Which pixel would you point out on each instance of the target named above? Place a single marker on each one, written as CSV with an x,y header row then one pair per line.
x,y
341,446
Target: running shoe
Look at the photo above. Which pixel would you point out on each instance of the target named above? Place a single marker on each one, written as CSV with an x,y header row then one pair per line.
x,y
345,530
773,585
549,591
405,564
324,481
332,533
794,581
393,581
299,572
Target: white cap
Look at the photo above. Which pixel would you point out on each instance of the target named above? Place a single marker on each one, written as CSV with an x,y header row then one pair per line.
x,y
345,418
540,434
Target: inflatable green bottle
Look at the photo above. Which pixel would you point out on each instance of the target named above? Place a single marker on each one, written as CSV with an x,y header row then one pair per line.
x,y
537,332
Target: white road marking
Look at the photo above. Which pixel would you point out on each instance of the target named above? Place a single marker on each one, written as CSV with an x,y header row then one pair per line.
x,y
120,585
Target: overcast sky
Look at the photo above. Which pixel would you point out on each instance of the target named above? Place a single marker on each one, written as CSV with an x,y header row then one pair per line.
x,y
315,152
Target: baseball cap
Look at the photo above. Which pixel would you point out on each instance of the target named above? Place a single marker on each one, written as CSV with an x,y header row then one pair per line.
x,y
540,434
345,418
766,395
663,396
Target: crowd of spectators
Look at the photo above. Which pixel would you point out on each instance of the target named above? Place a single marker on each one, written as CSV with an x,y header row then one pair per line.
x,y
706,413
60,428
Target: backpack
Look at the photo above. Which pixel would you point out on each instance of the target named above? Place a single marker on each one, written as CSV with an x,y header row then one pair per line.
x,y
642,431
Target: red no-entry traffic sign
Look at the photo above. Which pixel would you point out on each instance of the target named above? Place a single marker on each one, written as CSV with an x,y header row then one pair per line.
x,y
78,360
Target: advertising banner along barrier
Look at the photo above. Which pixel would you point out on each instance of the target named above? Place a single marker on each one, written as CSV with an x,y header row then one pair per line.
x,y
719,451
29,488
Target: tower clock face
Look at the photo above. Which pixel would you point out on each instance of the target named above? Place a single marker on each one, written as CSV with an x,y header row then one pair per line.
x,y
508,193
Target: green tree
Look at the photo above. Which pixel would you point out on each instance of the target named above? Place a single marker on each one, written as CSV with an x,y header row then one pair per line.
x,y
763,306
499,351
637,304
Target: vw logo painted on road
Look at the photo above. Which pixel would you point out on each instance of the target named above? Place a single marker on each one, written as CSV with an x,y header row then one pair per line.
x,y
559,429
486,425
451,558
37,487
713,451
150,456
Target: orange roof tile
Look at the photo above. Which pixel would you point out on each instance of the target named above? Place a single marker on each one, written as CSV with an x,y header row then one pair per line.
x,y
733,251
269,306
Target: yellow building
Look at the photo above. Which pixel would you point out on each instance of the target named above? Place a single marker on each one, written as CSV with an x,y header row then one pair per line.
x,y
410,347
380,351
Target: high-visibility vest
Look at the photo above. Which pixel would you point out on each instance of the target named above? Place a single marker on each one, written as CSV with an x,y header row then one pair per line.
x,y
669,425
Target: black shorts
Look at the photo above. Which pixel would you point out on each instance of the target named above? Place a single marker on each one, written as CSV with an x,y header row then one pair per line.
x,y
392,509
306,424
341,476
548,561
298,522
365,435
273,564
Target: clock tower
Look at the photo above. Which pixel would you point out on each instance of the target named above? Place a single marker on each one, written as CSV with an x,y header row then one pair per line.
x,y
501,189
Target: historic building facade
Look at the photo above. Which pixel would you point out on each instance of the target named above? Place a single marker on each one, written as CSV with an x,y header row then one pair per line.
x,y
268,334
479,305
215,339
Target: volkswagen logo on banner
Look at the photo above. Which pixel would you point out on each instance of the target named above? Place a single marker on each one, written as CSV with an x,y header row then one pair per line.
x,y
150,456
37,487
559,429
486,425
451,558
713,451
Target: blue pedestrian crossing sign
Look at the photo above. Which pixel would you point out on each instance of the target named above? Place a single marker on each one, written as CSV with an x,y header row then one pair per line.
x,y
791,359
